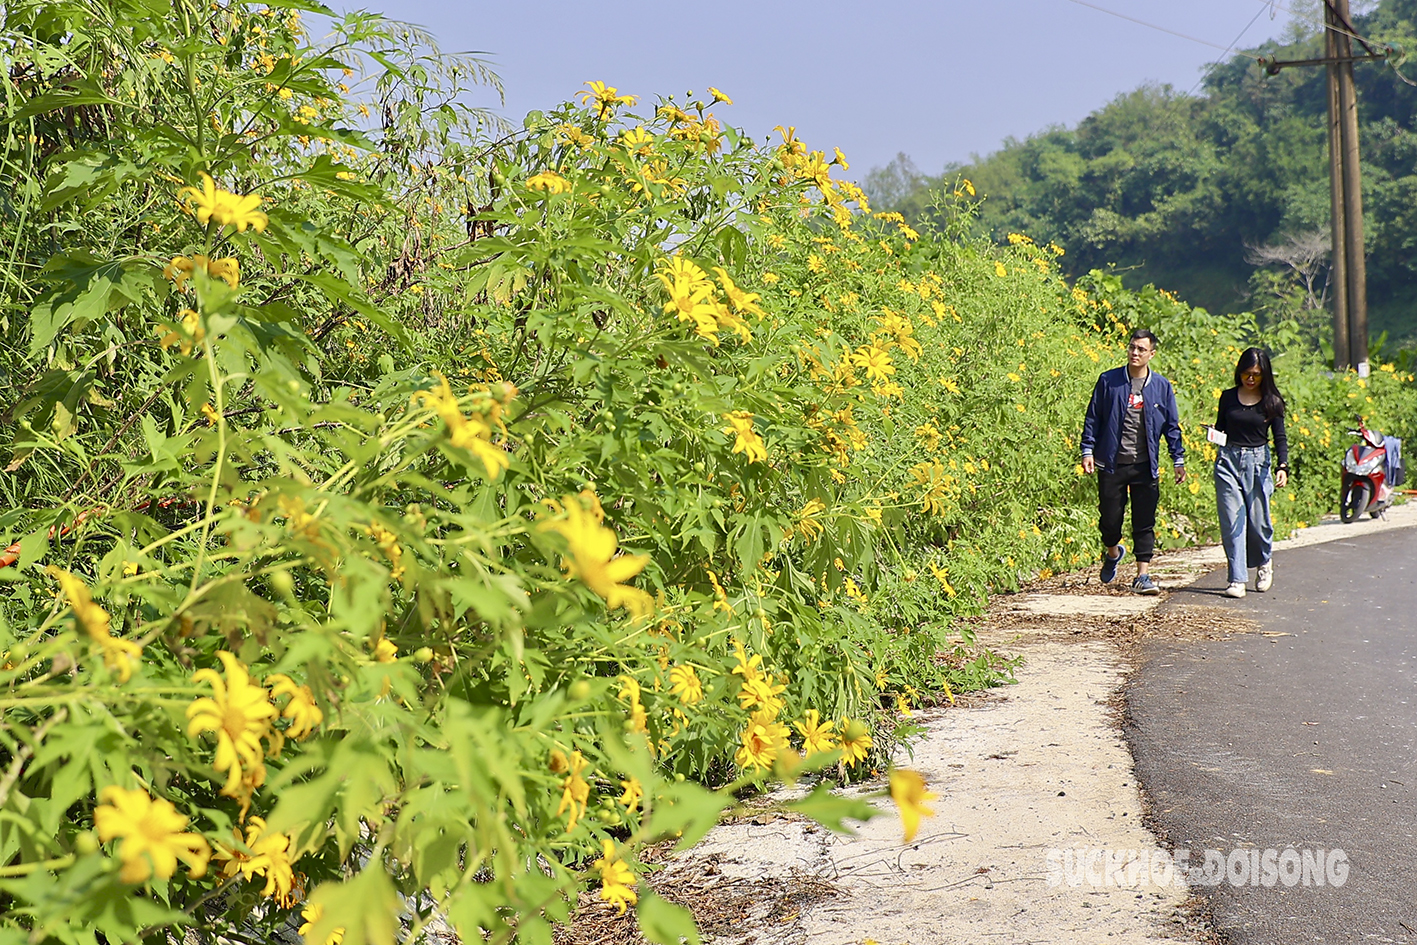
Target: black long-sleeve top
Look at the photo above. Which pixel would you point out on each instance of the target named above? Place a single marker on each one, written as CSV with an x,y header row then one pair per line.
x,y
1246,425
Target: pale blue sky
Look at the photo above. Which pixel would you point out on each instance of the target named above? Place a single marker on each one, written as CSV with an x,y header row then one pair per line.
x,y
939,80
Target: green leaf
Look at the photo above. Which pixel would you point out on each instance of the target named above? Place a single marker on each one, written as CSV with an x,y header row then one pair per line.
x,y
687,812
355,299
82,91
88,289
665,923
366,907
831,810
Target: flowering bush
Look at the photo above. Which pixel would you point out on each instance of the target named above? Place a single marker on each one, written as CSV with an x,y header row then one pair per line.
x,y
409,521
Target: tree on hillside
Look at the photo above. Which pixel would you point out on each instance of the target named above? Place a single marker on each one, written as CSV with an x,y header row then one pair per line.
x,y
1172,189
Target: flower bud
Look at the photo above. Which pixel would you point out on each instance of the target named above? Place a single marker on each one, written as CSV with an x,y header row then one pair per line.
x,y
282,583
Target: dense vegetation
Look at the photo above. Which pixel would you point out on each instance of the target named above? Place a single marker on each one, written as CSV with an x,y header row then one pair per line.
x,y
1187,192
412,518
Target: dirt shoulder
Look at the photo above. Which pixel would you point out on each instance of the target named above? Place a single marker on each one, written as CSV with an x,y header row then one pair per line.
x,y
1022,773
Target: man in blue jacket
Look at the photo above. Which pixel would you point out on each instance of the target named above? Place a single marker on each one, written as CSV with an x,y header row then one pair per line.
x,y
1131,409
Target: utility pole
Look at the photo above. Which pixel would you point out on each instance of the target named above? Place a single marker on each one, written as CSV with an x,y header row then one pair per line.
x,y
1348,270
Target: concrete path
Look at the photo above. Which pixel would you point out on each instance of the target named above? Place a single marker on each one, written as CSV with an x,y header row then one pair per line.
x,y
1037,767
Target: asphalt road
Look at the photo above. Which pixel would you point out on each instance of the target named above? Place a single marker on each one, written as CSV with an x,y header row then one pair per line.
x,y
1306,740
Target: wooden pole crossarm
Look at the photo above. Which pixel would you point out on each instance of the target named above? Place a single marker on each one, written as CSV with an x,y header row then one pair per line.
x,y
1272,66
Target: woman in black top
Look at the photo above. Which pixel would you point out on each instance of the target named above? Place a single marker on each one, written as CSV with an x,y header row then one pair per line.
x,y
1249,412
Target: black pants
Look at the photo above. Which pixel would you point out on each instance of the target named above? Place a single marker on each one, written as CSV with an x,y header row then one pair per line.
x,y
1112,490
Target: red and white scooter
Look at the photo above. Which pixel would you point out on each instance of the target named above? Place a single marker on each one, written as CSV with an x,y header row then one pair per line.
x,y
1366,485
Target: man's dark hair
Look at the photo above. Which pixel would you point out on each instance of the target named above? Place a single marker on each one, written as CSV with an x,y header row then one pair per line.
x,y
1146,333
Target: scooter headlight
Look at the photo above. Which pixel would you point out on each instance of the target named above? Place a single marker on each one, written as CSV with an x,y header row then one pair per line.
x,y
1364,467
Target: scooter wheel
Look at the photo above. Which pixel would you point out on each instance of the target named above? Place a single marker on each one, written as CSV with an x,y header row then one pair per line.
x,y
1355,502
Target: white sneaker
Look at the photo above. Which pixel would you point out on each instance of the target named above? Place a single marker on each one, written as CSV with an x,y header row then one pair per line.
x,y
1264,576
1235,590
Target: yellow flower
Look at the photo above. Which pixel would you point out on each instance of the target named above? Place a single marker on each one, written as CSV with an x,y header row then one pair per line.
x,y
1195,486
240,713
119,655
575,790
690,296
749,667
472,433
761,692
575,136
385,651
630,691
592,557
388,543
268,857
152,838
92,617
633,792
549,181
1000,270
808,525
747,441
855,742
182,267
223,207
304,715
313,913
875,361
686,685
720,596
719,97
617,881
605,98
908,792
817,736
191,332
935,486
637,141
942,576
762,741
742,301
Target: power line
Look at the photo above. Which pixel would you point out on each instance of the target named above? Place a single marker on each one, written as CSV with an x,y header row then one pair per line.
x,y
1232,45
1336,28
1162,29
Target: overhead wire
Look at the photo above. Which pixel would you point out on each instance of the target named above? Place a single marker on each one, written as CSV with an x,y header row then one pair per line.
x,y
1233,43
1344,30
1163,29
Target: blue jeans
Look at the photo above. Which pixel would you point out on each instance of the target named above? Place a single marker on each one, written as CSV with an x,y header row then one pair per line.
x,y
1242,490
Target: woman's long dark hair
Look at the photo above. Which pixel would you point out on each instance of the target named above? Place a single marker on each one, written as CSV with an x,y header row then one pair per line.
x,y
1270,398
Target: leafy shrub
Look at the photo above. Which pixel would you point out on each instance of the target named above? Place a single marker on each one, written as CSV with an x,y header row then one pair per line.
x,y
411,520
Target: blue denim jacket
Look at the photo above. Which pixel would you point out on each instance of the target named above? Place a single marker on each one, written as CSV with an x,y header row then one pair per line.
x,y
1102,427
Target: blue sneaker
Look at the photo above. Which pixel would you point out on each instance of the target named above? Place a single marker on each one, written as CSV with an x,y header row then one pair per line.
x,y
1109,564
1145,585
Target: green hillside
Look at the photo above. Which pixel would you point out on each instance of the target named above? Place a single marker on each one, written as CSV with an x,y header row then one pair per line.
x,y
1183,190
